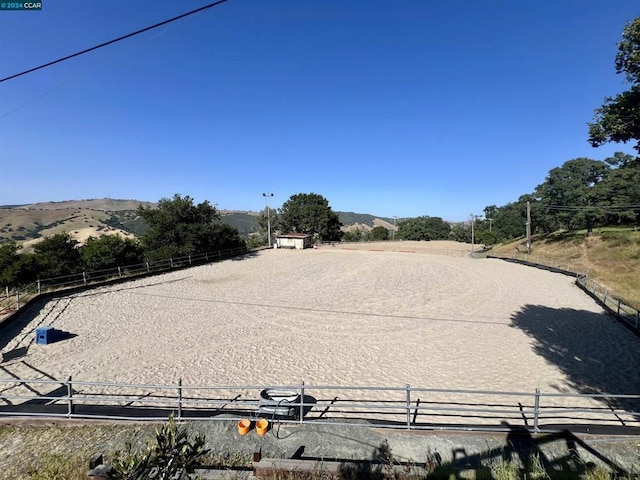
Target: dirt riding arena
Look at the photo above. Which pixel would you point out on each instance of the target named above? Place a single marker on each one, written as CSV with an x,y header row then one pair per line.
x,y
331,316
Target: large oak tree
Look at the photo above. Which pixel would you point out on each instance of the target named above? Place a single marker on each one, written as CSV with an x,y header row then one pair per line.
x,y
618,120
310,213
177,227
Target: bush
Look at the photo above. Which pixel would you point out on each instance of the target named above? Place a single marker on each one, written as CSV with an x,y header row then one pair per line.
x,y
164,457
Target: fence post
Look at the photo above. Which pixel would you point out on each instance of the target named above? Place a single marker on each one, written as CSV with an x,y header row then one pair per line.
x,y
38,284
69,398
618,306
206,257
17,299
179,399
220,254
408,406
148,267
301,420
536,411
189,259
171,261
119,272
84,278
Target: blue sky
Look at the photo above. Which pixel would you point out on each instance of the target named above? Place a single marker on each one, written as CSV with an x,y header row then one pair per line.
x,y
403,107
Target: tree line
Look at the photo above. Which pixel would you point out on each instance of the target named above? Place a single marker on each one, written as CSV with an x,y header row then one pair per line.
x,y
582,193
176,228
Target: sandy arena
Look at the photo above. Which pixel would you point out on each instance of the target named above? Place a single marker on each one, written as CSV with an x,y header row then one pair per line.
x,y
336,317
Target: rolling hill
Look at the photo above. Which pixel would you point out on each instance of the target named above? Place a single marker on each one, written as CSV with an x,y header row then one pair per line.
x,y
106,216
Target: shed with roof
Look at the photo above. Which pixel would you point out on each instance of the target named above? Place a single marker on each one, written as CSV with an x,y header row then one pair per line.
x,y
294,240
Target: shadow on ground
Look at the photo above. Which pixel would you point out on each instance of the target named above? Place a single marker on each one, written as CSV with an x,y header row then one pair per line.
x,y
596,354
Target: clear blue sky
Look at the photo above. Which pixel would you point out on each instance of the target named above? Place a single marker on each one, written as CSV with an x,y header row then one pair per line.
x,y
397,107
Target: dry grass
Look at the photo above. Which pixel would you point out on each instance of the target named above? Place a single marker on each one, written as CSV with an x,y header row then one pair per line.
x,y
37,451
611,258
17,224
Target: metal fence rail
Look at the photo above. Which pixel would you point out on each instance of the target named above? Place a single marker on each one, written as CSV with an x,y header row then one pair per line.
x,y
397,247
12,301
627,314
404,407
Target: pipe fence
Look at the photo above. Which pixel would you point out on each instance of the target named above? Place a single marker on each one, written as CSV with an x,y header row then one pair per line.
x,y
402,407
14,300
626,314
398,247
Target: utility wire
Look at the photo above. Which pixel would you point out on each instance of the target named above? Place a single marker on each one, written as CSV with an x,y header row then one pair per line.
x,y
96,67
197,10
569,208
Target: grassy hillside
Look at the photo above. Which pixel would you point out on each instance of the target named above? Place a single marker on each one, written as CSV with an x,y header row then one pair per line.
x,y
351,218
80,218
96,217
245,222
611,256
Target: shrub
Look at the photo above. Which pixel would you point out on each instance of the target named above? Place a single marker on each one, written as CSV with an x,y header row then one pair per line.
x,y
170,453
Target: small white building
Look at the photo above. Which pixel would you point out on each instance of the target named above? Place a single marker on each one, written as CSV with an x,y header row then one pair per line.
x,y
294,240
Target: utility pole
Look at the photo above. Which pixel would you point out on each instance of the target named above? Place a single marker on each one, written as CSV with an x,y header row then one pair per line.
x,y
267,195
473,237
490,223
528,224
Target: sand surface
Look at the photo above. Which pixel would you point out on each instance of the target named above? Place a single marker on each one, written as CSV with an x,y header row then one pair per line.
x,y
330,316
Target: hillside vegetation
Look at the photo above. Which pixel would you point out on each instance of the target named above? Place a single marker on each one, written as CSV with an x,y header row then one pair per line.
x,y
30,223
610,256
79,218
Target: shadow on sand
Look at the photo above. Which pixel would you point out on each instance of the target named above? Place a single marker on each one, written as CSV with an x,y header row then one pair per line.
x,y
596,354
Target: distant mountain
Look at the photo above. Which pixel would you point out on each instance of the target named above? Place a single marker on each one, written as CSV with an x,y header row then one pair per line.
x,y
102,204
245,222
96,217
351,218
80,218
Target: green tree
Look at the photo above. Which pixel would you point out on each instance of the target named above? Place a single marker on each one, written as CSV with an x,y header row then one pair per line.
x,y
620,190
354,235
423,228
379,233
460,233
508,220
177,228
570,192
8,258
16,269
263,220
618,119
57,256
110,251
310,213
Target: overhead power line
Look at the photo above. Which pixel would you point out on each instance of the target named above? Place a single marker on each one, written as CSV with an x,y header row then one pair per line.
x,y
568,208
115,40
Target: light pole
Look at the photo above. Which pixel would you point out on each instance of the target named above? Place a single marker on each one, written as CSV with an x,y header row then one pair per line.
x,y
472,232
267,195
